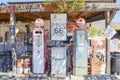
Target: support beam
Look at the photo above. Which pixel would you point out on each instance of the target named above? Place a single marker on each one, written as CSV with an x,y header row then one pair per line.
x,y
11,10
108,64
95,18
112,15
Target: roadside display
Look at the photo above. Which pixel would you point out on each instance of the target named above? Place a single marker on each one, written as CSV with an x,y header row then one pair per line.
x,y
58,62
38,50
81,62
58,26
98,56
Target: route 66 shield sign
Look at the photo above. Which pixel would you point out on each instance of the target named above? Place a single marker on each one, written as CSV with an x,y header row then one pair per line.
x,y
58,26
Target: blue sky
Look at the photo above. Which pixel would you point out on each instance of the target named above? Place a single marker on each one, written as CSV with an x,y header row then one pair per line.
x,y
115,19
117,16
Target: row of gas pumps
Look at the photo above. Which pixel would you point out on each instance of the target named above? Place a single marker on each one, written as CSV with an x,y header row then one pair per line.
x,y
58,57
58,53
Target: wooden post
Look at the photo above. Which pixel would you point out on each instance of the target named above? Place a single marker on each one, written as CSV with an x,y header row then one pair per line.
x,y
108,63
11,9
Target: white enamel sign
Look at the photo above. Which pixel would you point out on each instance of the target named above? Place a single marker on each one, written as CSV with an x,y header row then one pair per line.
x,y
58,26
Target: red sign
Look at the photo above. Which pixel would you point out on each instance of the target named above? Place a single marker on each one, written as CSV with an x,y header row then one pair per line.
x,y
39,23
81,23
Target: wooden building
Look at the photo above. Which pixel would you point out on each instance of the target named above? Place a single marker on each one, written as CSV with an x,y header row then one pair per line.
x,y
94,10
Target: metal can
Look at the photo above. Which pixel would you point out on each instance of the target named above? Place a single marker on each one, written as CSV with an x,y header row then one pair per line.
x,y
19,66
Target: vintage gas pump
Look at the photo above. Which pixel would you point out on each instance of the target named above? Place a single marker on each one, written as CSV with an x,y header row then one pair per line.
x,y
80,59
39,45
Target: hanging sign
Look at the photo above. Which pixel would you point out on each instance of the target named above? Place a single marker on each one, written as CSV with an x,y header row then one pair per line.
x,y
58,61
58,26
98,61
109,32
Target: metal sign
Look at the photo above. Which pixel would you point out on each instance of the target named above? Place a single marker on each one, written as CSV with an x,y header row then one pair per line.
x,y
98,56
58,64
38,50
81,23
39,22
109,32
58,26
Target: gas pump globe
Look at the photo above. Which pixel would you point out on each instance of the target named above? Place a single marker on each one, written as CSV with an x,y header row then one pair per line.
x,y
39,23
81,23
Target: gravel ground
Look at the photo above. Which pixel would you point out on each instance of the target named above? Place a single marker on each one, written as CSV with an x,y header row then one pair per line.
x,y
43,77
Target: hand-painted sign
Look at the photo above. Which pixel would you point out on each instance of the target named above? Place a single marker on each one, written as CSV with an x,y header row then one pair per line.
x,y
29,7
98,56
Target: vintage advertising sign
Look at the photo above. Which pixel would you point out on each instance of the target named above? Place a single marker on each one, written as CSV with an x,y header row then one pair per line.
x,y
58,64
81,23
39,22
58,26
38,50
31,7
80,53
109,32
98,56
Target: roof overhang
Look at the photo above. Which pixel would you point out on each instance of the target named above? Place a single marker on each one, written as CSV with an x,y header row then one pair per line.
x,y
29,11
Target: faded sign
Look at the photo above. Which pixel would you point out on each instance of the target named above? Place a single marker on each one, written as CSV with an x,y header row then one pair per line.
x,y
58,26
29,7
98,57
